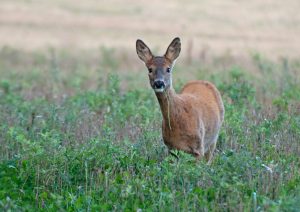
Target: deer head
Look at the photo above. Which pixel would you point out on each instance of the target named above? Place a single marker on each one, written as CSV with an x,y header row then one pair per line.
x,y
159,67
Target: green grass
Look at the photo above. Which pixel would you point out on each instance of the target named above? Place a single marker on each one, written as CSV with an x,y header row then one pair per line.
x,y
66,145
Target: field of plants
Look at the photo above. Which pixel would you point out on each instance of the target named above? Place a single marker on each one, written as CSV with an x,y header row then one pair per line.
x,y
82,132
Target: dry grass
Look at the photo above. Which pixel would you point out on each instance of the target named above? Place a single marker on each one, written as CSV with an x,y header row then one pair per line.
x,y
270,27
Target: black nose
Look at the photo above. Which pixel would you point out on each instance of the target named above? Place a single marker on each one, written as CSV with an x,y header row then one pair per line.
x,y
159,84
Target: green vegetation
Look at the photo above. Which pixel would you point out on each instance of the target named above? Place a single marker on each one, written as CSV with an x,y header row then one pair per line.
x,y
75,138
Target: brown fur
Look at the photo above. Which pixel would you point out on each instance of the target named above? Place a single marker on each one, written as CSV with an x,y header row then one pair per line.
x,y
195,117
191,119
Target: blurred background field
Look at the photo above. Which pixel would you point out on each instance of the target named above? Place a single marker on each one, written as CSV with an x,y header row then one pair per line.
x,y
80,126
216,27
90,35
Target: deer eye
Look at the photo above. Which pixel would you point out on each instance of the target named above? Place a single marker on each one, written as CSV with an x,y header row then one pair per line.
x,y
168,69
150,70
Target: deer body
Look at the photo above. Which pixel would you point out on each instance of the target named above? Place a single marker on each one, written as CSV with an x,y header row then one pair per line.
x,y
191,119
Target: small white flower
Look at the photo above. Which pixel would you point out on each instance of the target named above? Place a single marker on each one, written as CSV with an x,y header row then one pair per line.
x,y
267,168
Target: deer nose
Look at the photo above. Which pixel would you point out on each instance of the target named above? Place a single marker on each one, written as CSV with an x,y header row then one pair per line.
x,y
158,84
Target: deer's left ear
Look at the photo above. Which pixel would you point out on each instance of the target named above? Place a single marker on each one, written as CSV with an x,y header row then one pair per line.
x,y
173,50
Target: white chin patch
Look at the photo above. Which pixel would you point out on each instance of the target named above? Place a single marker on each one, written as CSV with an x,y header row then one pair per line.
x,y
160,90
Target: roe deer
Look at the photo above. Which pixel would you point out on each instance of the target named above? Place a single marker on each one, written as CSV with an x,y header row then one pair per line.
x,y
191,119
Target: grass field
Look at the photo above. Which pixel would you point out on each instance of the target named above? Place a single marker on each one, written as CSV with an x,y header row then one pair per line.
x,y
80,128
74,137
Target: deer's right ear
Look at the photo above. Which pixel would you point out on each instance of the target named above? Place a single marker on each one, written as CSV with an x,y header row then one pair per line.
x,y
143,51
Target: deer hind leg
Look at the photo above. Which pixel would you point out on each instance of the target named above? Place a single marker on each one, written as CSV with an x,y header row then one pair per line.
x,y
210,152
198,152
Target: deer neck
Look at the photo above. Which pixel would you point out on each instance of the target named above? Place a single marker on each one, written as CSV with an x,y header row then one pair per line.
x,y
168,105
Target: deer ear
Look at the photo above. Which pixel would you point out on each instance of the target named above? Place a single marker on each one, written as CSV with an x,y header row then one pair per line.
x,y
143,51
173,50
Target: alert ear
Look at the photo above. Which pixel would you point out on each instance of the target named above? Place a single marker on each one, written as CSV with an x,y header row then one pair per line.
x,y
173,50
143,51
